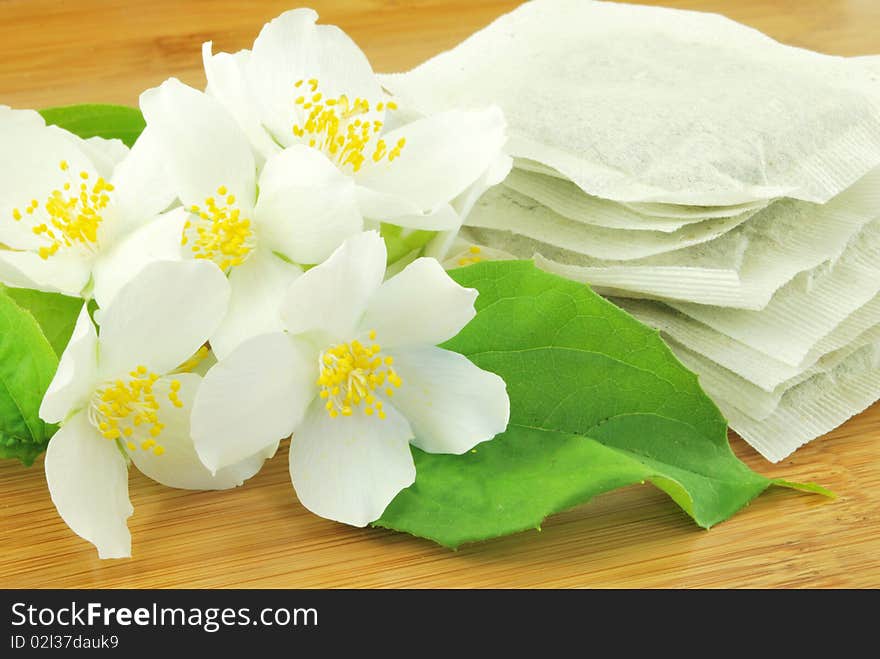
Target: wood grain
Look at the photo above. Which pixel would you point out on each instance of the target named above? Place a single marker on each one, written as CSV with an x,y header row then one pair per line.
x,y
54,53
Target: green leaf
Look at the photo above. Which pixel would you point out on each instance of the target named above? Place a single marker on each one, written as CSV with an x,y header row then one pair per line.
x,y
56,314
27,365
598,402
399,241
91,120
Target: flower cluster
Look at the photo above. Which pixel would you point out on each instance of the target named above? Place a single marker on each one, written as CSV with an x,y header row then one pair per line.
x,y
233,274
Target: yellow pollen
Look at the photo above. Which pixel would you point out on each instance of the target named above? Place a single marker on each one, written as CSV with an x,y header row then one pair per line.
x,y
350,375
70,220
219,233
338,128
472,257
129,409
192,363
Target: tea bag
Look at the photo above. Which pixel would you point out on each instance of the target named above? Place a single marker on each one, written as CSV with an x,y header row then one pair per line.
x,y
813,407
569,201
724,385
702,276
654,209
741,269
504,208
808,308
694,213
871,64
648,104
753,366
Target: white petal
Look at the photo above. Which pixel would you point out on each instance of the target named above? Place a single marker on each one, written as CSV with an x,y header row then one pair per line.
x,y
105,154
451,404
227,83
350,468
203,145
498,170
161,317
253,398
26,118
31,156
143,185
444,154
291,48
88,481
61,273
333,296
76,376
420,306
179,464
30,170
307,207
403,212
157,240
258,287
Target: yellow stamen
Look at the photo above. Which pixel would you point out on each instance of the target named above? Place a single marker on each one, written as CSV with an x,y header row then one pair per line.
x,y
472,257
219,233
351,373
128,408
337,126
68,220
192,363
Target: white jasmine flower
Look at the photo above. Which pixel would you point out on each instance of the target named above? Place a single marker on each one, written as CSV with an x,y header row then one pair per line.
x,y
72,210
255,228
125,395
355,376
307,84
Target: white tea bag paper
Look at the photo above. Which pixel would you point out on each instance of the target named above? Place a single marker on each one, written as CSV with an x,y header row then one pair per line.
x,y
756,403
751,365
808,308
505,209
647,104
814,407
742,268
701,276
569,201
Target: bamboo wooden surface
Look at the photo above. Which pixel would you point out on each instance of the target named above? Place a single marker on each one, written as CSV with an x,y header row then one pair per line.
x,y
54,53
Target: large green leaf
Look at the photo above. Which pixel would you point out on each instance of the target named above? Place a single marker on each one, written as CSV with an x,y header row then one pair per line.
x,y
597,402
56,314
27,365
96,120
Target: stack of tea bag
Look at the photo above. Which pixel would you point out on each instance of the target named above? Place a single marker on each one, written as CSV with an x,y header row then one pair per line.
x,y
720,186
